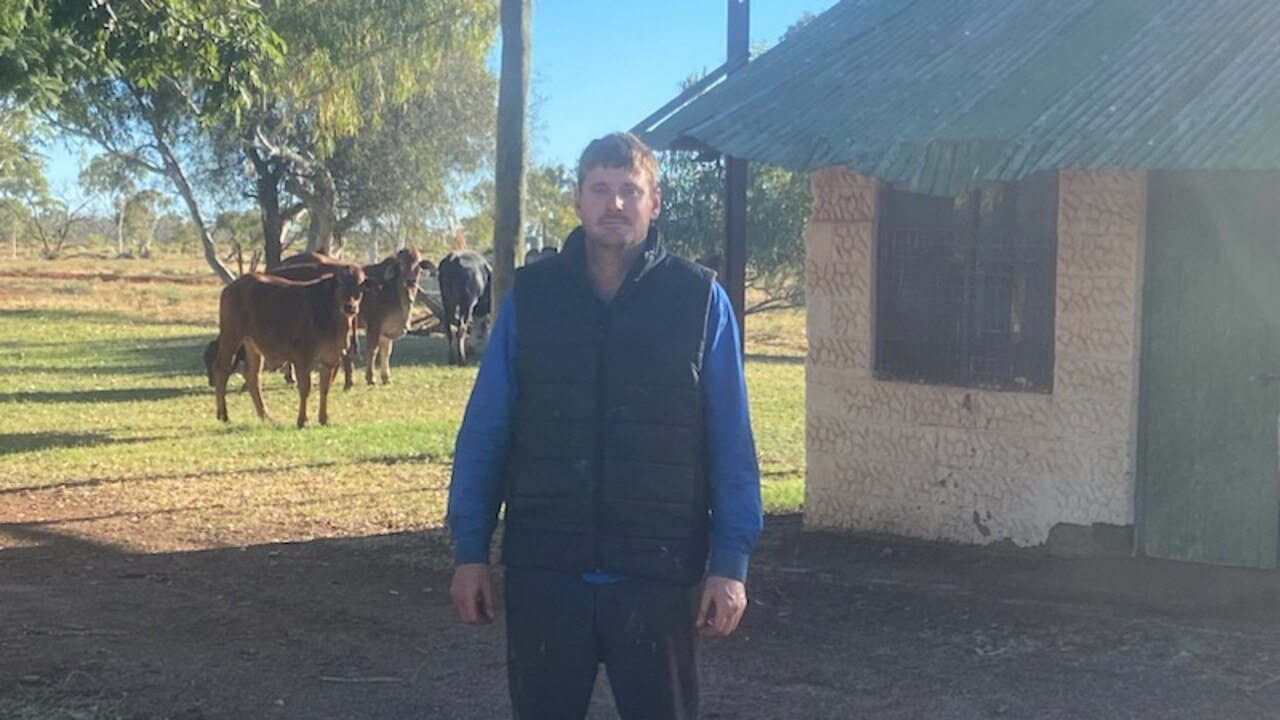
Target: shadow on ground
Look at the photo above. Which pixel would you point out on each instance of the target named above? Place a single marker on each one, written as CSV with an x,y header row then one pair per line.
x,y
839,627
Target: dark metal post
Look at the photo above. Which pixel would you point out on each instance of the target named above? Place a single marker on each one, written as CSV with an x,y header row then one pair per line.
x,y
735,172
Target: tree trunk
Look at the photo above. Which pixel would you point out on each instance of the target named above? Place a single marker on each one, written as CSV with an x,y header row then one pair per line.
x,y
174,171
276,221
509,172
268,187
144,242
321,201
122,205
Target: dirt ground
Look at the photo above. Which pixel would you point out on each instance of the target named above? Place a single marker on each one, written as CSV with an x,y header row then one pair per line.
x,y
839,627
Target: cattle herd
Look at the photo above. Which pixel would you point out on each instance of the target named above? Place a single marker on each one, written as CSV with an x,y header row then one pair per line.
x,y
305,314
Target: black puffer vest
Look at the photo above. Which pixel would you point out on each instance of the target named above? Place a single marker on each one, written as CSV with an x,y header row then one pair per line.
x,y
606,470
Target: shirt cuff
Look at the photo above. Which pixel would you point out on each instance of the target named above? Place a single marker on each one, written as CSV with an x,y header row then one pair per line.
x,y
468,550
732,565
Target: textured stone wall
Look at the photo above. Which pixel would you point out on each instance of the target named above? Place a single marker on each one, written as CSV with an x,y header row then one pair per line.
x,y
963,464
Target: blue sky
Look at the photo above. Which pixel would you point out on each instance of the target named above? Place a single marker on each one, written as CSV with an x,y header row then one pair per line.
x,y
604,65
601,65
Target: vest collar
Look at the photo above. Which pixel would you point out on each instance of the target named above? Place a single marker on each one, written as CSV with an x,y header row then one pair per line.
x,y
574,253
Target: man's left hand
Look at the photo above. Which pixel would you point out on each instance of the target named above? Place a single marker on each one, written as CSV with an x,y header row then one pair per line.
x,y
723,602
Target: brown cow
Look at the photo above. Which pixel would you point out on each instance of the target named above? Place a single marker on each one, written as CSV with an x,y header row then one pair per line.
x,y
384,314
313,266
278,320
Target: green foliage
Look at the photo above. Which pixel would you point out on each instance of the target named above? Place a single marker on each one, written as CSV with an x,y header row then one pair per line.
x,y
417,150
778,204
21,167
548,206
549,202
141,213
381,105
49,48
349,59
22,182
240,230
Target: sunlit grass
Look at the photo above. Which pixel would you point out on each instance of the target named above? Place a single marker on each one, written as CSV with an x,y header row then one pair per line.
x,y
107,428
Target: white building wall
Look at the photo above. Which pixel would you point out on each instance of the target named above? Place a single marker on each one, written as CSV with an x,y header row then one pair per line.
x,y
963,464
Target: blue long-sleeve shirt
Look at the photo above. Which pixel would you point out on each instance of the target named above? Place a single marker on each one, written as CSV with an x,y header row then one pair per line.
x,y
475,491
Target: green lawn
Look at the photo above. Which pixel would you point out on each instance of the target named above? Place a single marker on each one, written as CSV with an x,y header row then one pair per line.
x,y
107,428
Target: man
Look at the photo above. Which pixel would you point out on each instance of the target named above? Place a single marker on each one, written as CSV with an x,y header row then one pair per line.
x,y
609,415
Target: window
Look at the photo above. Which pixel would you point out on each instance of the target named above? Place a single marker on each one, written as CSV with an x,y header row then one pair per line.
x,y
965,286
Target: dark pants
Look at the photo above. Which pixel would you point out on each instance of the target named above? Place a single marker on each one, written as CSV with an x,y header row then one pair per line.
x,y
560,628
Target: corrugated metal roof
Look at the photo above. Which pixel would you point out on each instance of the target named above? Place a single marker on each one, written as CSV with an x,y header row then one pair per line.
x,y
942,95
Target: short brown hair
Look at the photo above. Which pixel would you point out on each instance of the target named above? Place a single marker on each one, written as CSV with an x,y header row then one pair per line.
x,y
618,150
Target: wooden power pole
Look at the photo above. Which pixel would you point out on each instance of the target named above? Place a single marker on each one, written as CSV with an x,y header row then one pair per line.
x,y
509,169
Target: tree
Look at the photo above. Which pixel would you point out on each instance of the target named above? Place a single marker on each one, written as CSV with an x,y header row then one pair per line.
x,y
52,221
243,233
550,202
111,176
22,182
363,115
549,212
778,204
406,164
142,79
141,216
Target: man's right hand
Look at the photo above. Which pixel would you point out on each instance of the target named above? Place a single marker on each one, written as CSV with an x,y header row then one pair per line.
x,y
472,593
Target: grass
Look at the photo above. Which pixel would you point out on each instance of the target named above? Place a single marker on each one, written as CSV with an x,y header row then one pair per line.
x,y
107,430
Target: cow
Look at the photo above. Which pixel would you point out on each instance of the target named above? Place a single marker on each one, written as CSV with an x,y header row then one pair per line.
x,y
313,266
277,320
385,313
464,291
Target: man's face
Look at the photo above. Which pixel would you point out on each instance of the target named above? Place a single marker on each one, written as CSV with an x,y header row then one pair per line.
x,y
616,205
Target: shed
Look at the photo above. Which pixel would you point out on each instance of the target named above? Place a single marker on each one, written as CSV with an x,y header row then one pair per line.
x,y
1043,265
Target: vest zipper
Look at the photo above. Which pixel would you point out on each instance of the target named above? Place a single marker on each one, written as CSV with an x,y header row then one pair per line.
x,y
597,488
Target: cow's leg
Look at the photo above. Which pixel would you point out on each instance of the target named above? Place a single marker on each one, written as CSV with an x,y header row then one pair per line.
x,y
303,376
349,358
371,349
288,373
253,363
463,329
223,363
326,381
456,333
384,354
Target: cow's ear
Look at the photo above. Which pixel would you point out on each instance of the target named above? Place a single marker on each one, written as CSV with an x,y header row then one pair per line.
x,y
390,272
429,266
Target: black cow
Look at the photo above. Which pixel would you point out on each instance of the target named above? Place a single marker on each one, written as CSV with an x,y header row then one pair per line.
x,y
464,291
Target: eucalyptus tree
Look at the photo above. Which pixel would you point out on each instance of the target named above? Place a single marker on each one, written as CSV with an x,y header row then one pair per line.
x,y
111,176
22,181
140,79
378,99
142,214
549,204
548,211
